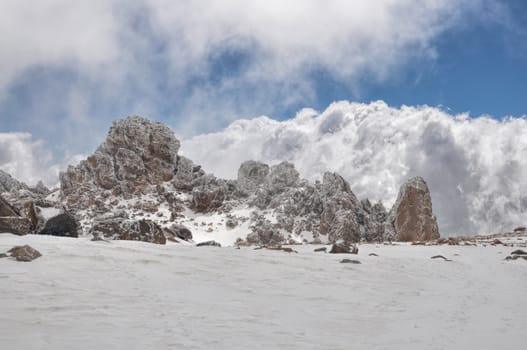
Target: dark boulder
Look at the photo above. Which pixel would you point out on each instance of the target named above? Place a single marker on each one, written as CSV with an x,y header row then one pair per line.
x,y
179,231
63,225
208,244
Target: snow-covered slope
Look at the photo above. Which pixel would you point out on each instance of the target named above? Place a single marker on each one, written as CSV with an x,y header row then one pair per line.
x,y
130,295
474,167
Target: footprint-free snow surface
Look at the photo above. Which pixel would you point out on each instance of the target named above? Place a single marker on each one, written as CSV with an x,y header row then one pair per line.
x,y
129,295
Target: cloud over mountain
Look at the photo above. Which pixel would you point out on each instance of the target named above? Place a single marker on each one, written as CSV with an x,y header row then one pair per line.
x,y
475,167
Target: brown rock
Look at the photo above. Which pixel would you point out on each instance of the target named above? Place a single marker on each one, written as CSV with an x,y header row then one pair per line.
x,y
342,248
15,224
7,209
130,230
24,253
411,218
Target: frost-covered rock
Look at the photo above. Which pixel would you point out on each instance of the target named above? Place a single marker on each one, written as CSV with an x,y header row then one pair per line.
x,y
6,209
130,230
209,194
15,224
411,218
9,184
251,175
179,231
340,217
186,174
137,153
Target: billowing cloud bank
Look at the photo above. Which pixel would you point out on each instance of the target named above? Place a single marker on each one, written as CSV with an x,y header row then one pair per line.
x,y
475,167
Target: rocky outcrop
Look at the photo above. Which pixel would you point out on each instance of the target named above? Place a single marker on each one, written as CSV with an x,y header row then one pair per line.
x,y
6,209
411,218
340,219
10,184
209,194
137,170
11,220
137,153
130,230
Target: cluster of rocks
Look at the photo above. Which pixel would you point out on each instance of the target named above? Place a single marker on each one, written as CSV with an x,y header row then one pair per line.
x,y
138,167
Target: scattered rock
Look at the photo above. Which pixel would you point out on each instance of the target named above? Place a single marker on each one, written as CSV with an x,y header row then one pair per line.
x,y
284,249
520,229
516,257
321,249
440,257
208,244
519,252
373,254
350,261
3,255
497,242
24,253
231,223
342,248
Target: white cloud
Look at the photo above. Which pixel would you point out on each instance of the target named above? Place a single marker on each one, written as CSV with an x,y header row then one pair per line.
x,y
30,160
141,53
475,168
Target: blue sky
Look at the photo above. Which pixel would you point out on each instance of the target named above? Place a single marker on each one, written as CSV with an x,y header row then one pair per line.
x,y
69,69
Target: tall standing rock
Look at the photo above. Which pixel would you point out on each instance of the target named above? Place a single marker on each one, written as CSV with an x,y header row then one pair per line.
x,y
411,218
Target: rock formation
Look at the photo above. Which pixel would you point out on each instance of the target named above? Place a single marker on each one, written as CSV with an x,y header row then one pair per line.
x,y
411,218
137,153
136,186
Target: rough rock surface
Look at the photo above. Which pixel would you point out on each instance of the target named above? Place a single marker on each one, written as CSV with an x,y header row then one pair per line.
x,y
251,175
208,244
209,194
15,224
63,224
9,184
187,174
137,171
130,230
24,253
411,218
137,153
7,209
179,231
